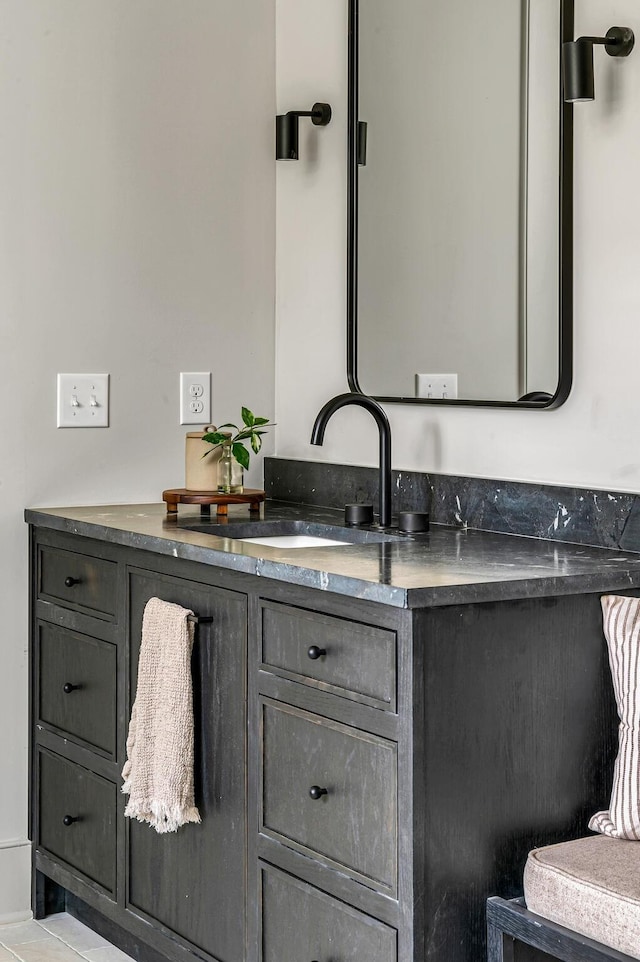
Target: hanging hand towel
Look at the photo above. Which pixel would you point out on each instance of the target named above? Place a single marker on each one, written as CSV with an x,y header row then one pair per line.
x,y
158,773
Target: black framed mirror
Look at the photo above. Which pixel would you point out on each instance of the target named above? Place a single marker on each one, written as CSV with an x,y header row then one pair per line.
x,y
460,212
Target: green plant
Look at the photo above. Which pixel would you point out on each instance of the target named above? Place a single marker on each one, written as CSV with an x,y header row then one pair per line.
x,y
252,431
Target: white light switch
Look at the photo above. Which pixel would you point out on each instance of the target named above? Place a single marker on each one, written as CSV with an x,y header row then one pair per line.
x,y
437,386
83,400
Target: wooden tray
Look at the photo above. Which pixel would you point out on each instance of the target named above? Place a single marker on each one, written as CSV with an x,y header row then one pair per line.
x,y
176,496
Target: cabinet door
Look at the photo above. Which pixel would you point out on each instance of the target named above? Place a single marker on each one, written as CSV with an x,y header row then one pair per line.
x,y
352,825
299,922
192,881
76,686
77,818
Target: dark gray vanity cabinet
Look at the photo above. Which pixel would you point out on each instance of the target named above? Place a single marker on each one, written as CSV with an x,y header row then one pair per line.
x,y
485,730
367,775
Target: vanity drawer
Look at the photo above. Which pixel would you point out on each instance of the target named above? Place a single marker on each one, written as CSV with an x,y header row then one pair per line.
x,y
78,581
352,825
88,844
359,660
77,683
300,922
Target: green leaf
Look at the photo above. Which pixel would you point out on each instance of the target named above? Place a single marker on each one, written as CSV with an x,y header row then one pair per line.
x,y
241,454
256,442
215,437
247,417
244,434
228,426
261,421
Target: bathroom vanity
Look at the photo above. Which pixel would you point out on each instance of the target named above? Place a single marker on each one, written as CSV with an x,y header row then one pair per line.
x,y
383,731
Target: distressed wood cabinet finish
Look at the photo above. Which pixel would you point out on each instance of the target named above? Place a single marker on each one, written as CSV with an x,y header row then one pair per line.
x,y
445,742
331,654
319,782
76,683
68,791
296,916
191,882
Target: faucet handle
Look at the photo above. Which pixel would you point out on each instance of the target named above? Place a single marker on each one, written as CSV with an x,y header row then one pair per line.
x,y
413,521
358,514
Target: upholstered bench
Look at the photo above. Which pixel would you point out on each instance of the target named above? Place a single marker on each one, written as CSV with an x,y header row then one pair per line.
x,y
582,904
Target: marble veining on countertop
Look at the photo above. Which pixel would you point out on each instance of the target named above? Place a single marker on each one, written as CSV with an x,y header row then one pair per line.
x,y
445,566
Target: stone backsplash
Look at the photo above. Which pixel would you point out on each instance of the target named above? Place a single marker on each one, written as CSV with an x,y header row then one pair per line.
x,y
577,515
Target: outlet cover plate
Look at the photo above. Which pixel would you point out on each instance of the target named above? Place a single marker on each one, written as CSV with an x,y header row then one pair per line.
x,y
195,398
83,400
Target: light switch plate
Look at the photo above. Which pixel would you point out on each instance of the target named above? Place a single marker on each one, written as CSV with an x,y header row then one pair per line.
x,y
83,400
437,386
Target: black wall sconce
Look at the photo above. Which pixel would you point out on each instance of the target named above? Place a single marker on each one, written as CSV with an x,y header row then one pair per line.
x,y
577,61
287,129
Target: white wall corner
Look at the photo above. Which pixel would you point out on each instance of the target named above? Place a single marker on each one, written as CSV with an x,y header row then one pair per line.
x,y
15,881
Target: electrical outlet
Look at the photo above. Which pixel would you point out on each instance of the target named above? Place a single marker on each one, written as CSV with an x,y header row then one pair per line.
x,y
195,398
83,400
437,386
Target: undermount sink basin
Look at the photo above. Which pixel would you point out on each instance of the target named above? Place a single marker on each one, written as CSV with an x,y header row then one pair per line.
x,y
293,534
293,541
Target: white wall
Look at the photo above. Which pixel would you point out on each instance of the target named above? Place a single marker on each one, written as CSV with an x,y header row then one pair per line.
x,y
136,237
593,438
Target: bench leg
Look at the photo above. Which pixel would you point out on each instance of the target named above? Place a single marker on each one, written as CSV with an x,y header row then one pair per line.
x,y
499,945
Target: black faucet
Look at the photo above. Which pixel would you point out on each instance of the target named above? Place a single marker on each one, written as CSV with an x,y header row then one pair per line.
x,y
384,430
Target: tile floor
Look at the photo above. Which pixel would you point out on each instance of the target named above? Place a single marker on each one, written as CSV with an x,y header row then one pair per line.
x,y
58,938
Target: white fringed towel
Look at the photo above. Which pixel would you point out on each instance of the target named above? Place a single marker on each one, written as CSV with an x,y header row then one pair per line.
x,y
158,773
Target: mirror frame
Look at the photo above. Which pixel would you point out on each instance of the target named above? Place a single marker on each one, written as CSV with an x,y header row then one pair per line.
x,y
565,306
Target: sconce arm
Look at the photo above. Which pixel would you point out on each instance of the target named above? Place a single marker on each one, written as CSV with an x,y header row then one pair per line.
x,y
320,114
618,42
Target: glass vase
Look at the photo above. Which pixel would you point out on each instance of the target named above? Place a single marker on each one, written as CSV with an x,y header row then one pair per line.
x,y
230,473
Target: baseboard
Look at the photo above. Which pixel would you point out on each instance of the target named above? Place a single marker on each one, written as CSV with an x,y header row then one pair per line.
x,y
15,880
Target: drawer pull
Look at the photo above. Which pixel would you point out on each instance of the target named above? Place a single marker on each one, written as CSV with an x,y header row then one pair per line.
x,y
314,652
68,687
316,792
69,820
70,582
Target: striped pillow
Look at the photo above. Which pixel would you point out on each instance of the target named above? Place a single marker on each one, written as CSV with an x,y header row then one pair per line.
x,y
622,631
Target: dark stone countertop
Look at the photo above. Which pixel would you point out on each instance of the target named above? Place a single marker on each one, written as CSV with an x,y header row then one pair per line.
x,y
443,567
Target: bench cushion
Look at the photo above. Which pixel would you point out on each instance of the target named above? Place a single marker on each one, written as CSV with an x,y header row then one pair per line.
x,y
591,886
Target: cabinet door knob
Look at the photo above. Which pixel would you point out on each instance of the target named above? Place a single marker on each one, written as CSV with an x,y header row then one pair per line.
x,y
68,687
70,582
316,792
314,652
69,820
